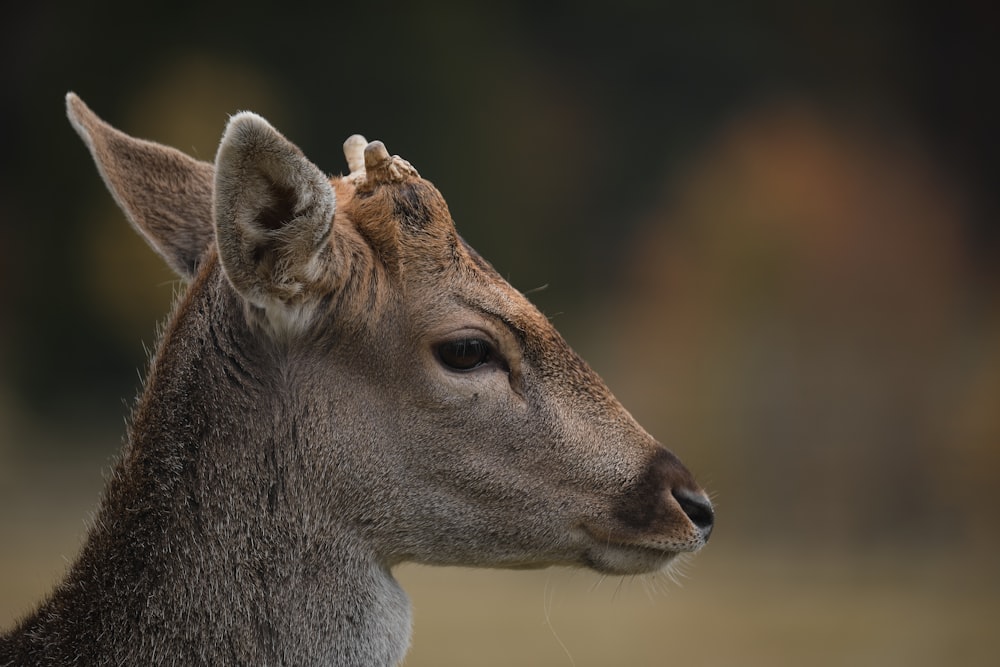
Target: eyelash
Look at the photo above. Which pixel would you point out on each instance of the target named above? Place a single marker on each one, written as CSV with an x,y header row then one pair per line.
x,y
466,354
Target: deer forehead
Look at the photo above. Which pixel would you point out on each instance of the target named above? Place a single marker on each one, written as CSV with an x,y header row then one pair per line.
x,y
405,219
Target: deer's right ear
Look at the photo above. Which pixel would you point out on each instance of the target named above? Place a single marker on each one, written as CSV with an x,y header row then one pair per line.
x,y
273,214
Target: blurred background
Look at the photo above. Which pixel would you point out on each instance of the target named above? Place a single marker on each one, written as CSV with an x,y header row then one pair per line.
x,y
771,226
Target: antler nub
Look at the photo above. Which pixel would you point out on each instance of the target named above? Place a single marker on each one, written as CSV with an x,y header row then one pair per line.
x,y
371,164
376,156
381,168
354,151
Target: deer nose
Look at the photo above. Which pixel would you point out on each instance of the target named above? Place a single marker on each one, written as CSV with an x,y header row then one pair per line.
x,y
698,509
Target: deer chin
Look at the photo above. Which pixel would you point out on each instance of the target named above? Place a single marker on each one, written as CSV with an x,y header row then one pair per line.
x,y
609,555
624,559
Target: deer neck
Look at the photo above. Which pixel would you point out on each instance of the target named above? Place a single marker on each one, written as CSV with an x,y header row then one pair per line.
x,y
206,519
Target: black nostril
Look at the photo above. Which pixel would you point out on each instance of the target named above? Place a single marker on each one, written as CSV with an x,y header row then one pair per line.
x,y
698,509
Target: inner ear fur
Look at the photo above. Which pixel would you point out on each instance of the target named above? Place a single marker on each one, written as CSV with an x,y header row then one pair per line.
x,y
165,194
273,213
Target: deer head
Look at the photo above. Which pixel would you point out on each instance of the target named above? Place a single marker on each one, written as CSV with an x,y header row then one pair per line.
x,y
346,376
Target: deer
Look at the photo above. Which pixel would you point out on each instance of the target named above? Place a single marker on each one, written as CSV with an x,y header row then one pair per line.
x,y
343,385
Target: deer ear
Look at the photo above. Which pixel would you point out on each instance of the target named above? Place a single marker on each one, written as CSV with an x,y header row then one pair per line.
x,y
273,213
166,195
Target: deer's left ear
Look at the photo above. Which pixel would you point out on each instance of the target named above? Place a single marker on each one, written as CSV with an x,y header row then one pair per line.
x,y
273,214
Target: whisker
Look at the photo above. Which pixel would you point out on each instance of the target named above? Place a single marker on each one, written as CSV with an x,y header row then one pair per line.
x,y
618,588
537,289
649,587
596,584
547,600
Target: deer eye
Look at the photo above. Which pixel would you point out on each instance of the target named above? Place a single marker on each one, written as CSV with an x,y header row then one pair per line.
x,y
465,354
